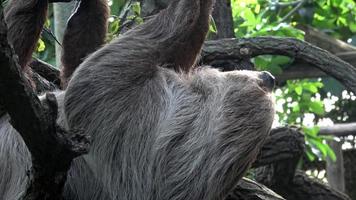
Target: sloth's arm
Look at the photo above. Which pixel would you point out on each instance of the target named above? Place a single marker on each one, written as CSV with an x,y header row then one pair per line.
x,y
25,20
85,33
177,33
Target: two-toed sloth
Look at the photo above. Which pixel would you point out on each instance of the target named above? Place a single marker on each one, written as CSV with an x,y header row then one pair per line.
x,y
162,129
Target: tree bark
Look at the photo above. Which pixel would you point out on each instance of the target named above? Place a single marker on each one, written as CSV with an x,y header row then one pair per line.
x,y
47,71
325,41
277,165
301,187
222,16
297,49
251,190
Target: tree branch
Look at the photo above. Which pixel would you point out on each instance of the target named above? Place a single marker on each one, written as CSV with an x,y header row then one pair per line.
x,y
46,70
324,41
339,130
300,50
52,149
294,10
248,189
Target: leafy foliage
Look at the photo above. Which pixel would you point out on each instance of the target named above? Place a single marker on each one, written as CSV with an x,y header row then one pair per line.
x,y
125,15
299,101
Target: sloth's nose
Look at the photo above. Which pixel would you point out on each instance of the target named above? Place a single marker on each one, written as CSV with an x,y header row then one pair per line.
x,y
268,80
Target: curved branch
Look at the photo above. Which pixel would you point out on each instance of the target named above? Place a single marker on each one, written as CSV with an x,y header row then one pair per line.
x,y
46,70
248,189
300,50
294,10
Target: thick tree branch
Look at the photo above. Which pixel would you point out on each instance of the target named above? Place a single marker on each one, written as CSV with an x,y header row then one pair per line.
x,y
303,51
52,149
277,166
283,144
248,189
325,41
46,70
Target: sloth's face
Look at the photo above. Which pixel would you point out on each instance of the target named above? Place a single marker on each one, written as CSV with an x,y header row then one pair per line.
x,y
263,81
249,93
243,94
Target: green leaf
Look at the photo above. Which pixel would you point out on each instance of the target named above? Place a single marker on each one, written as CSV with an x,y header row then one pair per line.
x,y
136,8
317,107
114,26
40,45
280,60
213,28
310,156
330,153
298,90
296,108
250,18
352,26
318,144
117,6
275,69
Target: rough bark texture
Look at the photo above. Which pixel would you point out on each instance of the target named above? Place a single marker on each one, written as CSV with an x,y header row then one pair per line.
x,y
52,150
280,174
222,16
283,144
252,47
325,41
251,190
46,70
231,54
301,187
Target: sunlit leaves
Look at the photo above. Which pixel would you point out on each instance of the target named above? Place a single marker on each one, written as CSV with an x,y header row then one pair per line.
x,y
298,98
124,14
40,46
317,144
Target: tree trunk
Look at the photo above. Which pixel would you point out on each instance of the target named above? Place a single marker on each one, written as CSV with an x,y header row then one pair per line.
x,y
222,16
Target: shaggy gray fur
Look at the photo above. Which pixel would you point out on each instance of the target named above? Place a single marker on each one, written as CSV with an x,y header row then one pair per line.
x,y
157,134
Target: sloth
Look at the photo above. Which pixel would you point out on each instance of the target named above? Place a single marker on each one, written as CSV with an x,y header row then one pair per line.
x,y
161,127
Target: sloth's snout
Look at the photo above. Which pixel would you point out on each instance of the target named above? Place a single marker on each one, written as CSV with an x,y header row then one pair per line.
x,y
268,81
